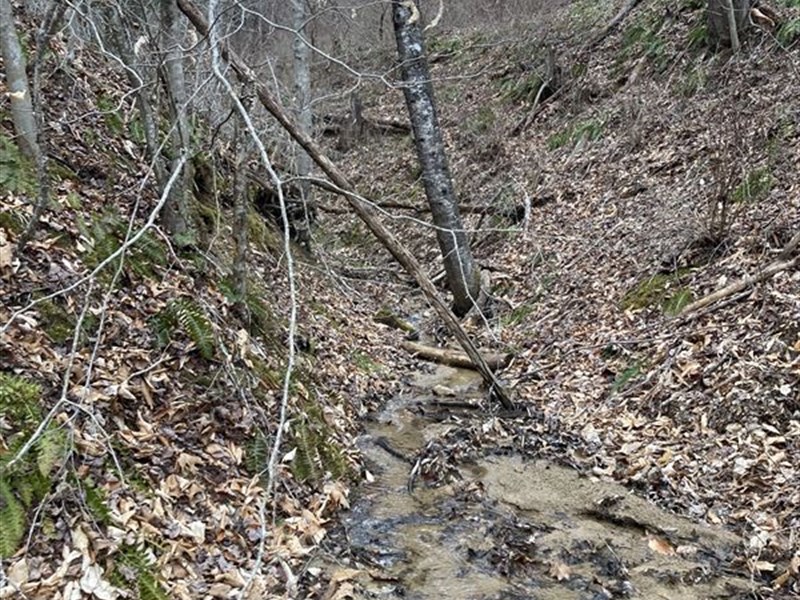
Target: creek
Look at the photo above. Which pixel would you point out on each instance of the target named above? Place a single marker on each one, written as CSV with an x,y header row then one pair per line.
x,y
512,527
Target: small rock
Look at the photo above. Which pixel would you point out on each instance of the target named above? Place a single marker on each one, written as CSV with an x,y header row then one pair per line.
x,y
443,390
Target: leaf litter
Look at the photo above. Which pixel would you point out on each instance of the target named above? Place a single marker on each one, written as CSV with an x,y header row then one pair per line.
x,y
698,415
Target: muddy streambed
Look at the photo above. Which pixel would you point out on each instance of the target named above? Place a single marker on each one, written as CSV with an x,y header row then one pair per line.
x,y
512,527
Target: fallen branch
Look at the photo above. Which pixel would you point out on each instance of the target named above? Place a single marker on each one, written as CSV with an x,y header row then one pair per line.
x,y
769,271
615,22
364,209
334,124
454,358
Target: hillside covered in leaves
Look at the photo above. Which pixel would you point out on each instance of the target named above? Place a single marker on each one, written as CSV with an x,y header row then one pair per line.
x,y
610,180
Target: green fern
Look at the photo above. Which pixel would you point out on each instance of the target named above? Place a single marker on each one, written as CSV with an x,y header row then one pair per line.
x,y
257,453
134,570
186,315
107,232
317,453
29,480
12,520
95,500
51,447
789,32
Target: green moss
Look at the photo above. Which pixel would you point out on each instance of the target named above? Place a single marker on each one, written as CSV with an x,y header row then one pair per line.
x,y
364,363
111,114
575,133
663,291
13,221
56,322
627,375
755,186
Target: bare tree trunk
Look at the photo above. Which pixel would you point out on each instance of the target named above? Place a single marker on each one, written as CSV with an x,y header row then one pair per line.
x,y
141,83
177,213
17,82
302,91
362,208
240,206
727,19
463,275
23,114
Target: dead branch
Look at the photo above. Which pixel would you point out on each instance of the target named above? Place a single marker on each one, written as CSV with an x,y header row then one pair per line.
x,y
769,271
454,358
361,207
615,22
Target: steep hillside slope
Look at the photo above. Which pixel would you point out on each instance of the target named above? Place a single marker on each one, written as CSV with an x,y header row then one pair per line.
x,y
654,173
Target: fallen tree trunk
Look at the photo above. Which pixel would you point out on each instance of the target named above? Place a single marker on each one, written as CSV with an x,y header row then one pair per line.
x,y
360,206
454,358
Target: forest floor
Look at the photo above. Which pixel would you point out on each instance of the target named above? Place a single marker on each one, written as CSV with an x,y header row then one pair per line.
x,y
657,173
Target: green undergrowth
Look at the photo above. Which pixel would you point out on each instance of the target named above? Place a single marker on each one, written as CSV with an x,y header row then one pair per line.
x,y
184,315
663,291
317,453
17,173
573,134
755,186
26,482
105,234
135,570
59,323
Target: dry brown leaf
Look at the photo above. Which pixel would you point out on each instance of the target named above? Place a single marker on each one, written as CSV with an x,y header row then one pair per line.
x,y
660,545
559,571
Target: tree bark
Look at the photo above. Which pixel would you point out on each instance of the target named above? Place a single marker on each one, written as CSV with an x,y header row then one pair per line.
x,y
463,275
138,79
726,20
177,212
454,358
19,91
23,114
361,207
305,117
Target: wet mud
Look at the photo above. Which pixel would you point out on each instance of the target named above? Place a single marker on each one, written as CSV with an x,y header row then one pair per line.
x,y
513,527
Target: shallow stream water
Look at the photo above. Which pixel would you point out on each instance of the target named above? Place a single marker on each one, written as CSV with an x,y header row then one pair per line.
x,y
514,528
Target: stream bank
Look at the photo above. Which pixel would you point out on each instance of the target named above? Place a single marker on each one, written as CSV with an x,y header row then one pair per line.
x,y
510,527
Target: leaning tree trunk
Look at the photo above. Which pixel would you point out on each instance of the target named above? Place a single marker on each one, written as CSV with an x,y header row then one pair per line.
x,y
365,210
726,21
463,275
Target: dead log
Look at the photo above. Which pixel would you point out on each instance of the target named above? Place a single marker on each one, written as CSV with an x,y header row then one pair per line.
x,y
333,125
364,209
456,358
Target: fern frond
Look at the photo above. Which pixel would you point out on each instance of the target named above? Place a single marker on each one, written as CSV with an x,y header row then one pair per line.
x,y
135,560
186,315
12,521
50,450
